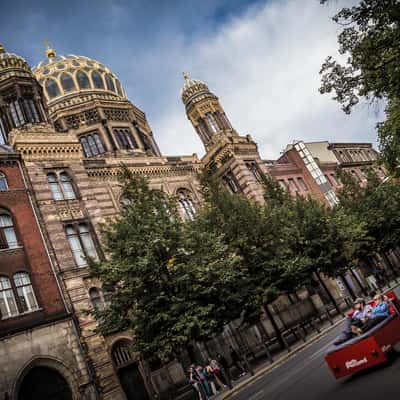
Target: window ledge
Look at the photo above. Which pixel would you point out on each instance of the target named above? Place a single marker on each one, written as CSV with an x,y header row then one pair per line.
x,y
21,314
11,249
66,201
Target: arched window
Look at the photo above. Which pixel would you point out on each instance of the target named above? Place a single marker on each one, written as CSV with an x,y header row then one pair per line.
x,y
212,122
97,80
255,170
8,238
55,188
118,85
186,204
8,305
224,121
83,80
81,243
92,145
99,144
3,132
125,138
203,131
61,186
85,146
3,182
67,187
25,292
67,82
230,181
31,110
52,88
16,113
122,353
110,83
96,298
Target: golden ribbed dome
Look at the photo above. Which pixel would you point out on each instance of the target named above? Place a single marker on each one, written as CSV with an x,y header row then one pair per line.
x,y
191,88
13,65
71,75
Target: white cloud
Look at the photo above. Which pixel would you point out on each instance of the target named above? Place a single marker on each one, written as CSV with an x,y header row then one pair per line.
x,y
263,65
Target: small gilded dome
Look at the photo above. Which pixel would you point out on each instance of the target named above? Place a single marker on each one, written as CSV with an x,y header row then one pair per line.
x,y
13,65
192,87
71,75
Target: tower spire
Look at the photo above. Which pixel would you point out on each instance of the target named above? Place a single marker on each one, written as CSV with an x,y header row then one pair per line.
x,y
185,76
50,52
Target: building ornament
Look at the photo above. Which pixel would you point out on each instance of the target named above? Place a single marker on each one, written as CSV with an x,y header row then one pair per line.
x,y
69,211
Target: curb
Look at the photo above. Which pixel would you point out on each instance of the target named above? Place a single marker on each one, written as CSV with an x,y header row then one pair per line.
x,y
278,362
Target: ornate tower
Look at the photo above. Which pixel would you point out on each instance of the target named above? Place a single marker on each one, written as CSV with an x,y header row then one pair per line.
x,y
205,112
20,95
230,156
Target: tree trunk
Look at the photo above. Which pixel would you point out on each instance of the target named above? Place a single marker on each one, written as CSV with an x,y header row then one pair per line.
x,y
331,298
278,333
246,361
389,264
363,291
348,287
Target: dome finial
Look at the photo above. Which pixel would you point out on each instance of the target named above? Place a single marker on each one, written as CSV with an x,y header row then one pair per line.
x,y
50,53
185,76
2,49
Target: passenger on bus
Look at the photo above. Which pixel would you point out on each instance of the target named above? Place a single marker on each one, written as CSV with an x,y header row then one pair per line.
x,y
379,313
355,318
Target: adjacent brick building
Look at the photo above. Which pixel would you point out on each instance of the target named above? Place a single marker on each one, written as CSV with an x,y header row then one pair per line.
x,y
40,351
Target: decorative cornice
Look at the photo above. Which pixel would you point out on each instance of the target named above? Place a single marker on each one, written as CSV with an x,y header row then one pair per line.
x,y
107,172
77,101
42,142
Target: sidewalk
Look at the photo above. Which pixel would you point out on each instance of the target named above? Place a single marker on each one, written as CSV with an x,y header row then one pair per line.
x,y
283,356
279,359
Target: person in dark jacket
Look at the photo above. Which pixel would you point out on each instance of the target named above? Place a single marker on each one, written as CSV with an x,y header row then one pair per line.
x,y
223,363
237,361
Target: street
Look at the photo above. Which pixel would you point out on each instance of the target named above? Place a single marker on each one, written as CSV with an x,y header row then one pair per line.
x,y
306,376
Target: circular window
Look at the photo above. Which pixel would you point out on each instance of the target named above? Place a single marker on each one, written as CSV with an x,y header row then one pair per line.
x,y
74,62
46,71
90,64
60,66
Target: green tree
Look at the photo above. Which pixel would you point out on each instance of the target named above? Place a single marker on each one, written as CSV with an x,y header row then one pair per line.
x,y
170,283
251,232
377,206
319,239
369,42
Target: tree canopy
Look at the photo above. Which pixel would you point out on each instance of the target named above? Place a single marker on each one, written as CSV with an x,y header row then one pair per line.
x,y
369,45
169,282
377,206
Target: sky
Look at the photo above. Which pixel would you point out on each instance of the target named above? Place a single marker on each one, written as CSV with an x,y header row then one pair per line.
x,y
260,57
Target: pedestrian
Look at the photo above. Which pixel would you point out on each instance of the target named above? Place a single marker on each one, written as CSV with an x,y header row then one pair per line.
x,y
195,381
203,380
216,369
237,362
211,378
224,366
